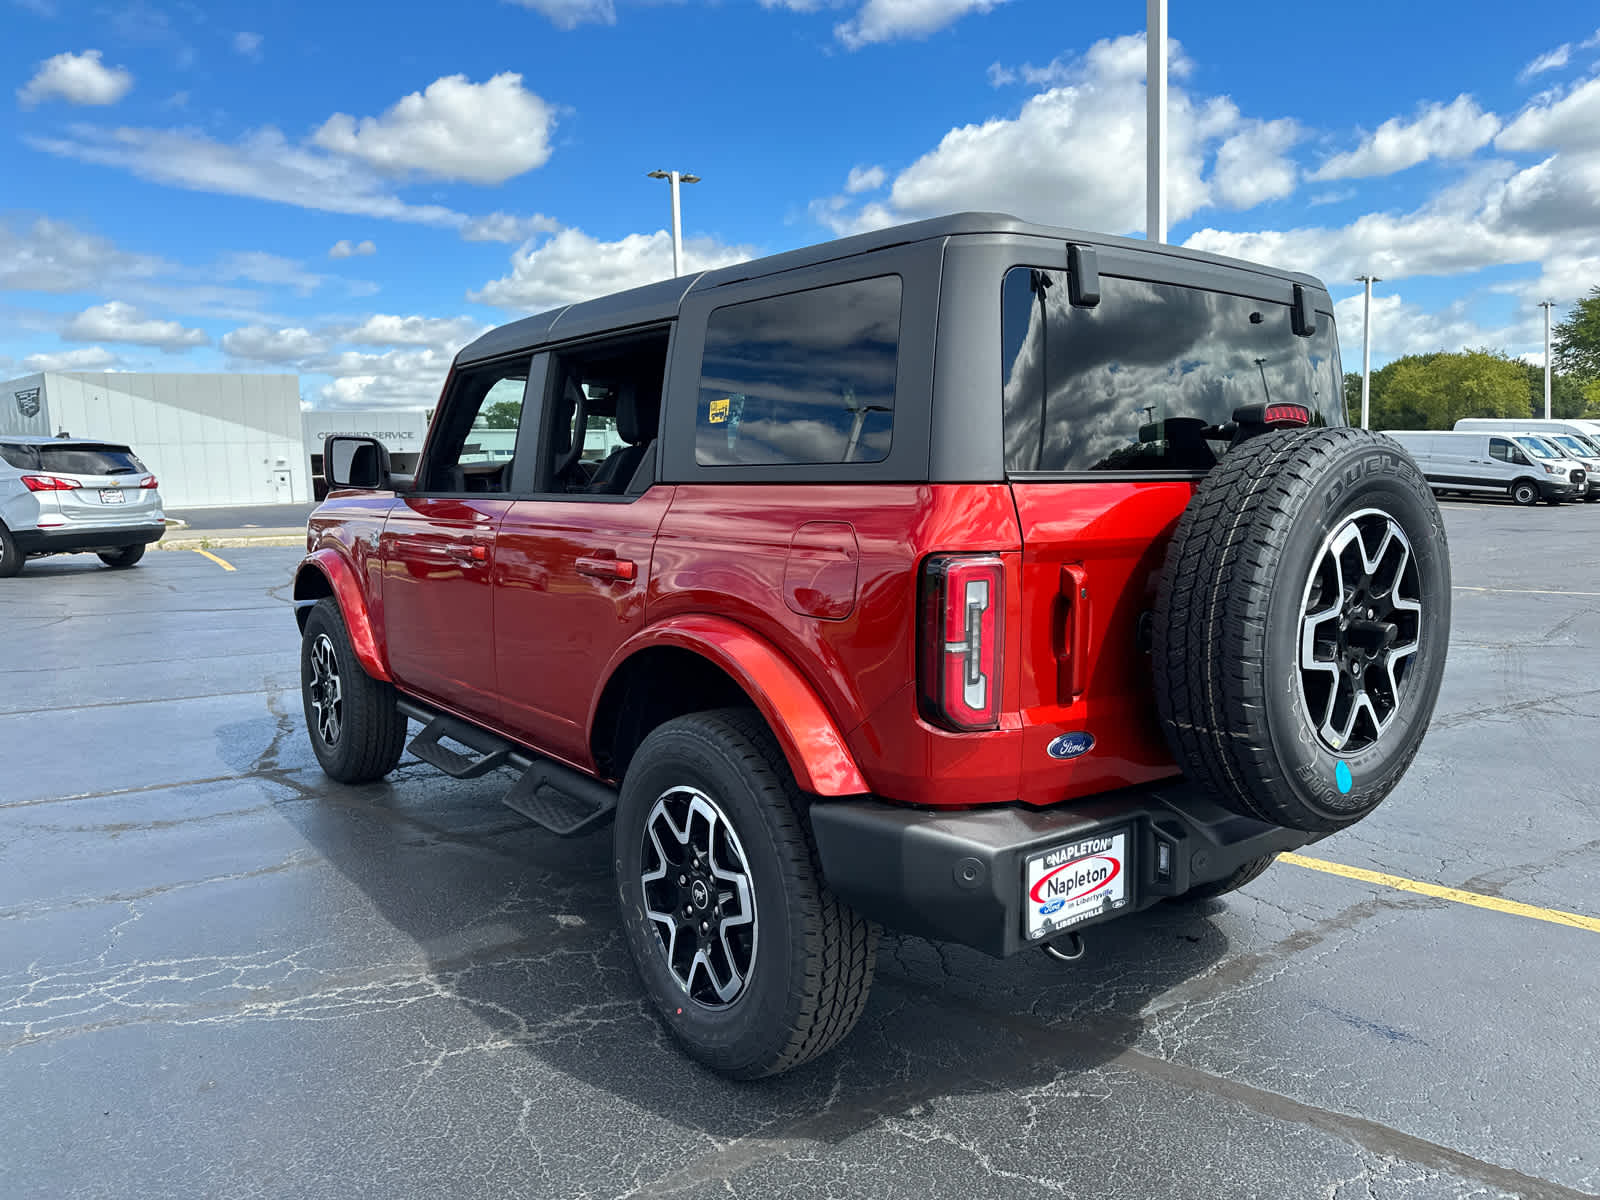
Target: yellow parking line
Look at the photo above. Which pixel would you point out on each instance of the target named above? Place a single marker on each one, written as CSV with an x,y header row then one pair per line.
x,y
226,566
1553,915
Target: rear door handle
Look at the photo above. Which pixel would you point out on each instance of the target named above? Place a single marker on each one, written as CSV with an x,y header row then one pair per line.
x,y
620,570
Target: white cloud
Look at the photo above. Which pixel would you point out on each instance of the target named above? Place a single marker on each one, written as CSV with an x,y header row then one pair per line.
x,y
259,343
1453,130
885,20
569,14
1400,327
1251,165
442,333
263,165
118,321
345,248
1337,196
272,269
77,79
864,179
247,44
396,377
454,129
53,256
574,266
1075,155
1563,120
1055,72
506,227
1550,60
86,358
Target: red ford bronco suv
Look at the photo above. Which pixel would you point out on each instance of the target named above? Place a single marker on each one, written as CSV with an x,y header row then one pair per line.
x,y
973,578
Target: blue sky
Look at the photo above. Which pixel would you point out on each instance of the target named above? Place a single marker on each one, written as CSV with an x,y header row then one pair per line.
x,y
317,189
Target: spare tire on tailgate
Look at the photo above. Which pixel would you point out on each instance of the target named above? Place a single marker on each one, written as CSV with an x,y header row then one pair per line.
x,y
1301,626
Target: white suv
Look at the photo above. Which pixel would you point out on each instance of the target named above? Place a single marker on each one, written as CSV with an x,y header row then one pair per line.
x,y
68,496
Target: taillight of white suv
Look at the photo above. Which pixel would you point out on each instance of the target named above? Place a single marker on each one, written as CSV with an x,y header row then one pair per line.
x,y
963,604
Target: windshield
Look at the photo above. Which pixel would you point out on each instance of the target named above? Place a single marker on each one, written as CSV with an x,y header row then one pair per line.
x,y
1537,447
1141,381
1567,442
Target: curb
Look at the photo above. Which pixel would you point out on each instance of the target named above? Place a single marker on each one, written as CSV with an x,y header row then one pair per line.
x,y
229,543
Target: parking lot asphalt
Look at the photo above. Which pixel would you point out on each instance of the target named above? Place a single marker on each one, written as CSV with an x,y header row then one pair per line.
x,y
223,975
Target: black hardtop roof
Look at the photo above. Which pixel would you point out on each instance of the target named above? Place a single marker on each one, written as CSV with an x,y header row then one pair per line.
x,y
660,301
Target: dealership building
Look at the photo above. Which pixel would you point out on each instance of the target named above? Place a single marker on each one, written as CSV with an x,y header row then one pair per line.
x,y
211,439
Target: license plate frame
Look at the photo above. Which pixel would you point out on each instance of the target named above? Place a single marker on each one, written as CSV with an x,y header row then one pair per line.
x,y
113,496
1070,883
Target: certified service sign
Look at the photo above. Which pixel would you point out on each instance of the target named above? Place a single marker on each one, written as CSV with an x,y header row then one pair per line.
x,y
28,402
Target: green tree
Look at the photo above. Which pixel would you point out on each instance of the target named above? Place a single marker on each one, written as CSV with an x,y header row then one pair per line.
x,y
1434,391
1577,339
1566,393
1352,397
503,414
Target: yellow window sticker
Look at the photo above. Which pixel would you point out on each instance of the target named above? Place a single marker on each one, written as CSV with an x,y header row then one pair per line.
x,y
719,410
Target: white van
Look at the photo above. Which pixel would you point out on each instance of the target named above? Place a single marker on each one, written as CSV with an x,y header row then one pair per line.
x,y
1576,438
1521,466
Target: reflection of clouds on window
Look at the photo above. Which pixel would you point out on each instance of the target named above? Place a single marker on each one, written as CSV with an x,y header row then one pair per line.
x,y
1131,383
803,378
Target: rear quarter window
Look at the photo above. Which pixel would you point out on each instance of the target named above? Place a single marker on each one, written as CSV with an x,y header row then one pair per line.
x,y
21,457
1132,383
804,378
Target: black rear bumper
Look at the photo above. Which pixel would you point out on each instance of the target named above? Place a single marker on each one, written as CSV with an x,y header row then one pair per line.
x,y
72,541
958,876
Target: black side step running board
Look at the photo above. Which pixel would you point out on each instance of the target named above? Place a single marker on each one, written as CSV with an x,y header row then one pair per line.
x,y
547,793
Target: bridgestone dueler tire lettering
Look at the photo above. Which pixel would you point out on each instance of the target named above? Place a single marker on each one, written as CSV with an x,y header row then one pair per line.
x,y
1227,625
373,736
814,959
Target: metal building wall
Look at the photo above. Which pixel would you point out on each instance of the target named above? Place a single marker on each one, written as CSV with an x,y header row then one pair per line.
x,y
211,439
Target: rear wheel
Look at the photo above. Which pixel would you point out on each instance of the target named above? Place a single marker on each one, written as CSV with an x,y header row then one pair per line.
x,y
10,558
752,963
1525,492
1301,625
356,729
124,557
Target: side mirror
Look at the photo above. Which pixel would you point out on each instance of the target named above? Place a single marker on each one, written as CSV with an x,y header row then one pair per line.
x,y
355,462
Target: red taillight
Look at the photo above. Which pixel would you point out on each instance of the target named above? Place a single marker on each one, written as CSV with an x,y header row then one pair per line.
x,y
1286,414
149,481
50,483
963,602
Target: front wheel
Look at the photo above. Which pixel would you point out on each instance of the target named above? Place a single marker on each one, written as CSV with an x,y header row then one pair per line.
x,y
1525,492
752,963
356,729
124,557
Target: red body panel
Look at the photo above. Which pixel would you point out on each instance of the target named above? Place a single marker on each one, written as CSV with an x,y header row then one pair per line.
x,y
438,560
563,604
344,537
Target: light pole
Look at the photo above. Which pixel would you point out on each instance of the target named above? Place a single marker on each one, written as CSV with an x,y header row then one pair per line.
x,y
1366,347
1547,305
1155,138
677,213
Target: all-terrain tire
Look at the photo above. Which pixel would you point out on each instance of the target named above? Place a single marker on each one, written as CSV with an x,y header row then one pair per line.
x,y
1245,649
11,559
1248,872
122,558
810,958
365,740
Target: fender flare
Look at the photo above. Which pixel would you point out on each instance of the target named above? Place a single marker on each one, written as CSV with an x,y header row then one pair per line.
x,y
340,575
811,742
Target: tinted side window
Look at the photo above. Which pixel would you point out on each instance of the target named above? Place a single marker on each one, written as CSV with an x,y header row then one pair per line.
x,y
21,457
1500,448
803,378
1133,383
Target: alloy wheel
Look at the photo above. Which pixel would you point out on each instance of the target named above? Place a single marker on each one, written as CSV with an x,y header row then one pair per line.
x,y
698,896
327,692
1360,629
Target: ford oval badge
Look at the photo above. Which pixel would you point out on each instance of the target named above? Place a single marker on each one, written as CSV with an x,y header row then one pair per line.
x,y
1070,745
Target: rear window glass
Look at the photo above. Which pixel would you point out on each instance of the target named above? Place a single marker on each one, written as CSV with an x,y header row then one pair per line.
x,y
1134,383
89,460
21,457
803,378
